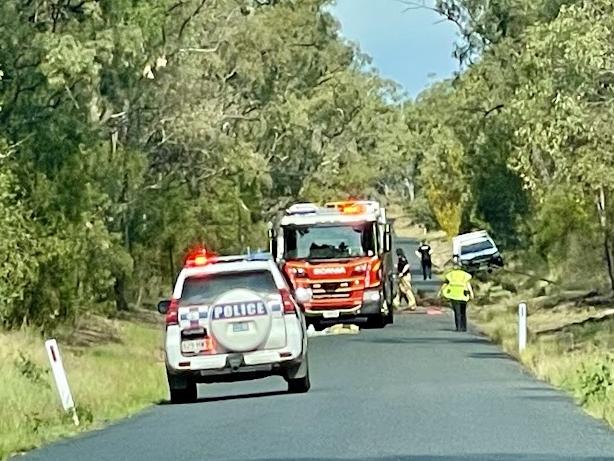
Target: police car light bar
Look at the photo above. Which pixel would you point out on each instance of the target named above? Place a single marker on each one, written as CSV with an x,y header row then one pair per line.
x,y
199,257
302,208
260,256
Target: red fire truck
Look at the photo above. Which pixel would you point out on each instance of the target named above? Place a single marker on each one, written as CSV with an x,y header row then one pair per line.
x,y
341,253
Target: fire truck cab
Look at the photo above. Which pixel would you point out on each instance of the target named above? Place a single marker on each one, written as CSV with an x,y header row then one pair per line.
x,y
341,254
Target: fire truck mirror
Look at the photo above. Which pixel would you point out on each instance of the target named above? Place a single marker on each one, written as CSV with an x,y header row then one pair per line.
x,y
387,239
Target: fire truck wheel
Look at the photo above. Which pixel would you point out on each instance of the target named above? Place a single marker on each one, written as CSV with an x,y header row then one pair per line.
x,y
389,293
316,324
377,321
390,315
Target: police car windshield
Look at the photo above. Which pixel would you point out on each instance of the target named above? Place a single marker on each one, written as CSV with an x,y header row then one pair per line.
x,y
329,241
206,289
476,247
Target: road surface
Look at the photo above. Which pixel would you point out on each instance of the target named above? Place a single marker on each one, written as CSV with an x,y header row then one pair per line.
x,y
409,246
412,391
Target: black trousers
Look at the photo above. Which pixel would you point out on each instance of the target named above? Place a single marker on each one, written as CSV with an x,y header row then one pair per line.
x,y
426,269
460,315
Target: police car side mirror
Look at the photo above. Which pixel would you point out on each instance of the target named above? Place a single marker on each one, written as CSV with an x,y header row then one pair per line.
x,y
163,306
303,295
273,242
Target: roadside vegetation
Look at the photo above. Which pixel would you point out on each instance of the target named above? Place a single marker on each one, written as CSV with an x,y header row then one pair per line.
x,y
519,144
133,130
115,369
130,131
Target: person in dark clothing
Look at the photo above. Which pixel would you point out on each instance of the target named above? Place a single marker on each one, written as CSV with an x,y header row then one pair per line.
x,y
402,263
424,252
403,270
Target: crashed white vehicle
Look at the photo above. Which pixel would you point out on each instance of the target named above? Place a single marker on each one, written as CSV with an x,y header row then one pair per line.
x,y
233,319
476,251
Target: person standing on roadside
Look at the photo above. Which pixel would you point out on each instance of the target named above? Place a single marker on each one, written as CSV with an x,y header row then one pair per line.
x,y
457,289
424,252
404,272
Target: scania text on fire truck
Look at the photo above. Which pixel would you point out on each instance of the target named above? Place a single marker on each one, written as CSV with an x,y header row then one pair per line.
x,y
341,253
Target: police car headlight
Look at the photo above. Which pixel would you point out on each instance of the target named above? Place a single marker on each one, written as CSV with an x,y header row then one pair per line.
x,y
371,296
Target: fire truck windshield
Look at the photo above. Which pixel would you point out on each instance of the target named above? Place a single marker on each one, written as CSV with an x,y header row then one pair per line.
x,y
329,241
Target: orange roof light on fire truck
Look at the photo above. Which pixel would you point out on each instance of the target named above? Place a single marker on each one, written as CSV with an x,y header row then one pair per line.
x,y
348,207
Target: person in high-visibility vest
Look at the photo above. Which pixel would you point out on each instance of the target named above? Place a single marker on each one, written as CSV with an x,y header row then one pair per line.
x,y
457,289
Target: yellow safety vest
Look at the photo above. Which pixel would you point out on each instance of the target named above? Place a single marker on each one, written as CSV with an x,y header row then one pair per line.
x,y
457,284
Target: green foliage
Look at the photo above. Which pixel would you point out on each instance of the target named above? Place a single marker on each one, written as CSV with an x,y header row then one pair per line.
x,y
138,129
133,130
17,267
596,380
31,370
562,215
519,143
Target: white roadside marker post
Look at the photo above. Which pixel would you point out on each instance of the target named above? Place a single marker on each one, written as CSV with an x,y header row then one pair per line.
x,y
61,381
522,327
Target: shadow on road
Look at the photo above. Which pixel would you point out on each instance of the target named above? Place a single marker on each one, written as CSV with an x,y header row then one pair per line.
x,y
423,340
550,397
223,398
472,457
489,355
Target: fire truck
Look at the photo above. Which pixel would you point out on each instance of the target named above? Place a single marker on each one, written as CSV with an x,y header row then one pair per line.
x,y
341,254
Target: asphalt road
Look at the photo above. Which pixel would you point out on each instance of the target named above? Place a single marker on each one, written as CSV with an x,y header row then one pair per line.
x,y
412,391
409,246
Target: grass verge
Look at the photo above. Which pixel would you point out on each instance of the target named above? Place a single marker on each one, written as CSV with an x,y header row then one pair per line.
x,y
114,367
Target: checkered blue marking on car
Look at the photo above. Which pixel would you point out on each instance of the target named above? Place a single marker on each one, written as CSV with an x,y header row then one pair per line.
x,y
202,315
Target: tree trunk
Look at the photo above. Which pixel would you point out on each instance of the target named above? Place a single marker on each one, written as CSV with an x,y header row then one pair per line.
x,y
603,219
121,304
139,298
171,265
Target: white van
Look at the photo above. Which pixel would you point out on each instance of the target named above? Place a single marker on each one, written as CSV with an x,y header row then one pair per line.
x,y
476,251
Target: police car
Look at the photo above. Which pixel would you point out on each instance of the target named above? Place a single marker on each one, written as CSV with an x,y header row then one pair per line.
x,y
231,319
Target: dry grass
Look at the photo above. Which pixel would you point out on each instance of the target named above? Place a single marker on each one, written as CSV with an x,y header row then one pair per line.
x,y
115,369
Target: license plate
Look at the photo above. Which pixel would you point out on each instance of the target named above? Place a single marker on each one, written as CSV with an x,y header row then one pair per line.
x,y
331,314
194,346
240,327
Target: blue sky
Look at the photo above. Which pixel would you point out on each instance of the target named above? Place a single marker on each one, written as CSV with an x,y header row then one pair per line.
x,y
405,47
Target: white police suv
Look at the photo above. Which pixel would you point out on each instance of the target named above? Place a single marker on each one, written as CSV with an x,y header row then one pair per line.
x,y
230,319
